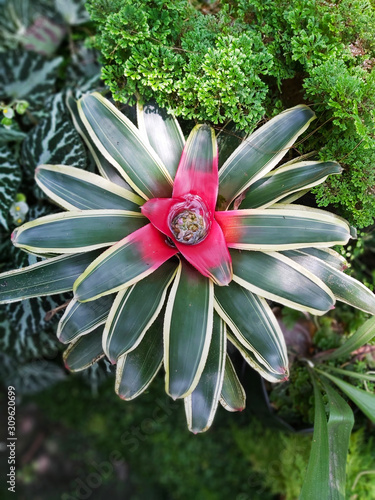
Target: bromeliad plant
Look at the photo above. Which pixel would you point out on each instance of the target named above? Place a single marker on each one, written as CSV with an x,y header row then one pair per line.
x,y
164,266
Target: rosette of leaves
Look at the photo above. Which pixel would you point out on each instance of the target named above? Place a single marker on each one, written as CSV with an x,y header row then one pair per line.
x,y
164,266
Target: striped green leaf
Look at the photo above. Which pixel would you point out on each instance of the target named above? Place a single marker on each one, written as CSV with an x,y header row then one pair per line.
x,y
286,180
361,337
73,188
54,140
187,330
316,483
77,230
276,277
233,397
329,256
81,318
29,76
163,133
48,277
281,228
136,369
340,424
107,170
254,325
262,151
134,311
201,404
344,287
248,355
121,143
84,351
10,178
363,399
125,263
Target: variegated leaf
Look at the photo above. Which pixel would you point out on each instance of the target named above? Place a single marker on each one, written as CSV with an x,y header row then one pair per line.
x,y
54,140
29,76
10,177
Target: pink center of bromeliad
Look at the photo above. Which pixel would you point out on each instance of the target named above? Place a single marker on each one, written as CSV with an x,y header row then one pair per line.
x,y
190,220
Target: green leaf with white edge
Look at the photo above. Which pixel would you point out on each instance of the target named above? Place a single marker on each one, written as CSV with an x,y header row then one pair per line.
x,y
10,178
282,228
48,277
134,310
187,330
340,424
316,483
276,277
136,370
233,396
84,351
363,399
254,325
80,318
107,170
201,404
163,133
124,264
362,336
77,230
122,144
329,256
72,188
285,180
262,151
345,288
267,373
28,76
54,140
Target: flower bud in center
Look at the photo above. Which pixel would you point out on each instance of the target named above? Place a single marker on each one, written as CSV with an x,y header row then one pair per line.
x,y
190,220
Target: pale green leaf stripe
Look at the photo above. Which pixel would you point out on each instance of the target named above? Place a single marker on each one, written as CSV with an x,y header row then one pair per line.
x,y
10,178
286,180
253,361
73,188
201,405
363,399
348,373
361,337
344,287
48,277
282,229
134,310
329,256
121,144
340,424
233,397
187,330
273,276
253,323
316,483
105,168
84,352
77,230
136,370
262,151
81,318
163,133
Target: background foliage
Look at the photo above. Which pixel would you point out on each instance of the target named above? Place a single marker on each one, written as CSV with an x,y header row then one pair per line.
x,y
232,66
